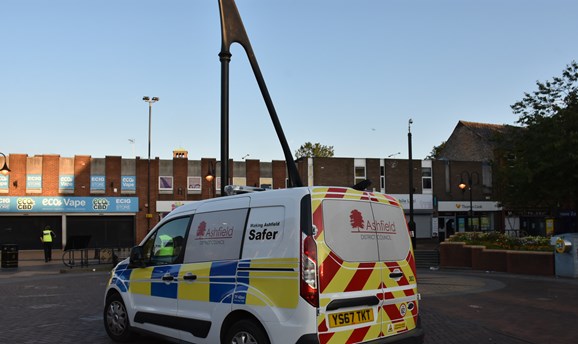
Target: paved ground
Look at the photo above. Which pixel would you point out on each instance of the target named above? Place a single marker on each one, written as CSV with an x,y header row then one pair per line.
x,y
457,306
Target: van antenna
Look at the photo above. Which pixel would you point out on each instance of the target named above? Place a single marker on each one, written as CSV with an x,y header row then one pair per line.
x,y
233,31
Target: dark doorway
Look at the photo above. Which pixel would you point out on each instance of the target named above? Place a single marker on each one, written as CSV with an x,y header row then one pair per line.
x,y
25,231
104,231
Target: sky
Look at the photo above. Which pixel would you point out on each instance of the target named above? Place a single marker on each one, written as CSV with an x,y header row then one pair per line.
x,y
348,74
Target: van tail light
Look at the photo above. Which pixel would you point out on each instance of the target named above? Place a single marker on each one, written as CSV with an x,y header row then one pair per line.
x,y
308,290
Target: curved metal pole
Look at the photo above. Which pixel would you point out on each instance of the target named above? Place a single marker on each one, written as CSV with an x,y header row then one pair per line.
x,y
233,31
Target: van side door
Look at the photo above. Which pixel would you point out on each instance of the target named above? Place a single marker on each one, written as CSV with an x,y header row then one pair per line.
x,y
208,274
153,288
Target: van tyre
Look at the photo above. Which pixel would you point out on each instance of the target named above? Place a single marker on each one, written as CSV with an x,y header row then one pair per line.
x,y
246,332
116,321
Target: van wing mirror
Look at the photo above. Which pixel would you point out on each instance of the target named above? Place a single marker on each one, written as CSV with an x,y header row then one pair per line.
x,y
137,258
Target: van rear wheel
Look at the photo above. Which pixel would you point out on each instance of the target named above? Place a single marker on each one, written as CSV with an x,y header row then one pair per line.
x,y
246,332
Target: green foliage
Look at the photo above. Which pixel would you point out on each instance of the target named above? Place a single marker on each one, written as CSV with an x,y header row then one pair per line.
x,y
497,240
317,150
436,151
540,167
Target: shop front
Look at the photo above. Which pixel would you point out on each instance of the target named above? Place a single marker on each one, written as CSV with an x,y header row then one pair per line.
x,y
102,221
455,216
422,213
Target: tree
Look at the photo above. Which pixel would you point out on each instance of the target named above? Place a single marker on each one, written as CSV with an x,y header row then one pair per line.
x,y
317,150
436,151
541,165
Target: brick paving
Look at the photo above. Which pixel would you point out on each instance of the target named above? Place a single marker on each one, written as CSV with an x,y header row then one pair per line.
x,y
41,304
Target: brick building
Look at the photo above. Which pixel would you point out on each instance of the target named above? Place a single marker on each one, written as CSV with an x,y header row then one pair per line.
x,y
108,198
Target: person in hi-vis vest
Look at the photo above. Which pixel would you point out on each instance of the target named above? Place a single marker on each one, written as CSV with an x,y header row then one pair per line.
x,y
47,238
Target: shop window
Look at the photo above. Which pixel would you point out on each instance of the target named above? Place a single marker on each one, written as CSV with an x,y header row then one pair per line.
x,y
382,179
359,168
166,183
426,180
194,184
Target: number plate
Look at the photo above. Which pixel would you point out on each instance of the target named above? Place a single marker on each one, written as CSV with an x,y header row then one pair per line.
x,y
351,318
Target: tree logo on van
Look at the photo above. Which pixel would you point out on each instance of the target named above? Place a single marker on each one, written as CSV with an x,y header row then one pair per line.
x,y
356,219
202,229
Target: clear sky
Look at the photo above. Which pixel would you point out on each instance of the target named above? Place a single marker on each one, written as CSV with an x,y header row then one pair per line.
x,y
348,74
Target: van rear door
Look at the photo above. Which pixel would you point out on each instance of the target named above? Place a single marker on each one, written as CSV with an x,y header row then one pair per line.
x,y
359,284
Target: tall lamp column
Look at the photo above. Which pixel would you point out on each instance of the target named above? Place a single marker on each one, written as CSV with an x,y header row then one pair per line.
x,y
210,177
411,223
149,215
463,187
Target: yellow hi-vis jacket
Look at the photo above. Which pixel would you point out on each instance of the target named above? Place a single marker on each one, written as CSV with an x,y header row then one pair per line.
x,y
47,235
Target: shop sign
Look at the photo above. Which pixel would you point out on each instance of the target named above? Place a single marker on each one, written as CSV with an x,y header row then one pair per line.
x,y
420,201
4,182
66,182
97,183
58,204
128,183
33,182
459,206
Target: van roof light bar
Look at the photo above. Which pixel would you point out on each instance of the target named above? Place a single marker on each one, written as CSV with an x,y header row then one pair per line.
x,y
241,189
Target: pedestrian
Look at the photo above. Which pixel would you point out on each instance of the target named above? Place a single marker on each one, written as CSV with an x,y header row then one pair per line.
x,y
47,238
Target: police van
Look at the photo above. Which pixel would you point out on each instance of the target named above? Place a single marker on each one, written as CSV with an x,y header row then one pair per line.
x,y
301,265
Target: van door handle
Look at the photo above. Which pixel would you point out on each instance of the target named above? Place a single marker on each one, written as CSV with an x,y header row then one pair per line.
x,y
168,278
395,275
189,277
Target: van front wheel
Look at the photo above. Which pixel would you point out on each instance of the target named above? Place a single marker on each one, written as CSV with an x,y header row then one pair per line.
x,y
246,332
116,320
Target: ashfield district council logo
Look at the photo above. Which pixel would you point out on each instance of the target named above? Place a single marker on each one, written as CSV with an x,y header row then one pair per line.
x,y
369,228
356,219
202,229
212,232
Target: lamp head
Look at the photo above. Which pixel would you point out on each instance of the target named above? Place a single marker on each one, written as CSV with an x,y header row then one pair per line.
x,y
146,99
4,170
156,99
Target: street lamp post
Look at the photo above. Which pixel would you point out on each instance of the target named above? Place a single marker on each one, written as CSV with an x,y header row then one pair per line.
x,y
210,177
411,223
5,170
463,185
149,215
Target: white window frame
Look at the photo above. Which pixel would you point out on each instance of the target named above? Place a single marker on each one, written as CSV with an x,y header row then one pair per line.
x,y
359,163
167,178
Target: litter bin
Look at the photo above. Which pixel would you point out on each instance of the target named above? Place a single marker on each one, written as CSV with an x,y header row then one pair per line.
x,y
566,255
9,255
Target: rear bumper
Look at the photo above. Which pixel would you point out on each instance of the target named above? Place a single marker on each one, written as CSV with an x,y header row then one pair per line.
x,y
414,336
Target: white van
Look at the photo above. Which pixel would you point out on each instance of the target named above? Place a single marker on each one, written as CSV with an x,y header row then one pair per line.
x,y
301,265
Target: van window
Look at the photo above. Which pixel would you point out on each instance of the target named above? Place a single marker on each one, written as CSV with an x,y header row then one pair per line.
x,y
166,244
215,236
392,233
353,230
345,224
264,233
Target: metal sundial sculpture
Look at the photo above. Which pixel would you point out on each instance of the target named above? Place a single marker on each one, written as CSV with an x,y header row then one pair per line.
x,y
233,31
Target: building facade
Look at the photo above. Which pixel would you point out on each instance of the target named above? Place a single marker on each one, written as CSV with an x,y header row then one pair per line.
x,y
104,202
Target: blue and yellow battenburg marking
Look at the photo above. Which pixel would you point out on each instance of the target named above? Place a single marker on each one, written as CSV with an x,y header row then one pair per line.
x,y
259,282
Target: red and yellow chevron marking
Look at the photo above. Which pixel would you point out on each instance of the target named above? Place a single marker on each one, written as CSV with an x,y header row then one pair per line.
x,y
337,276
